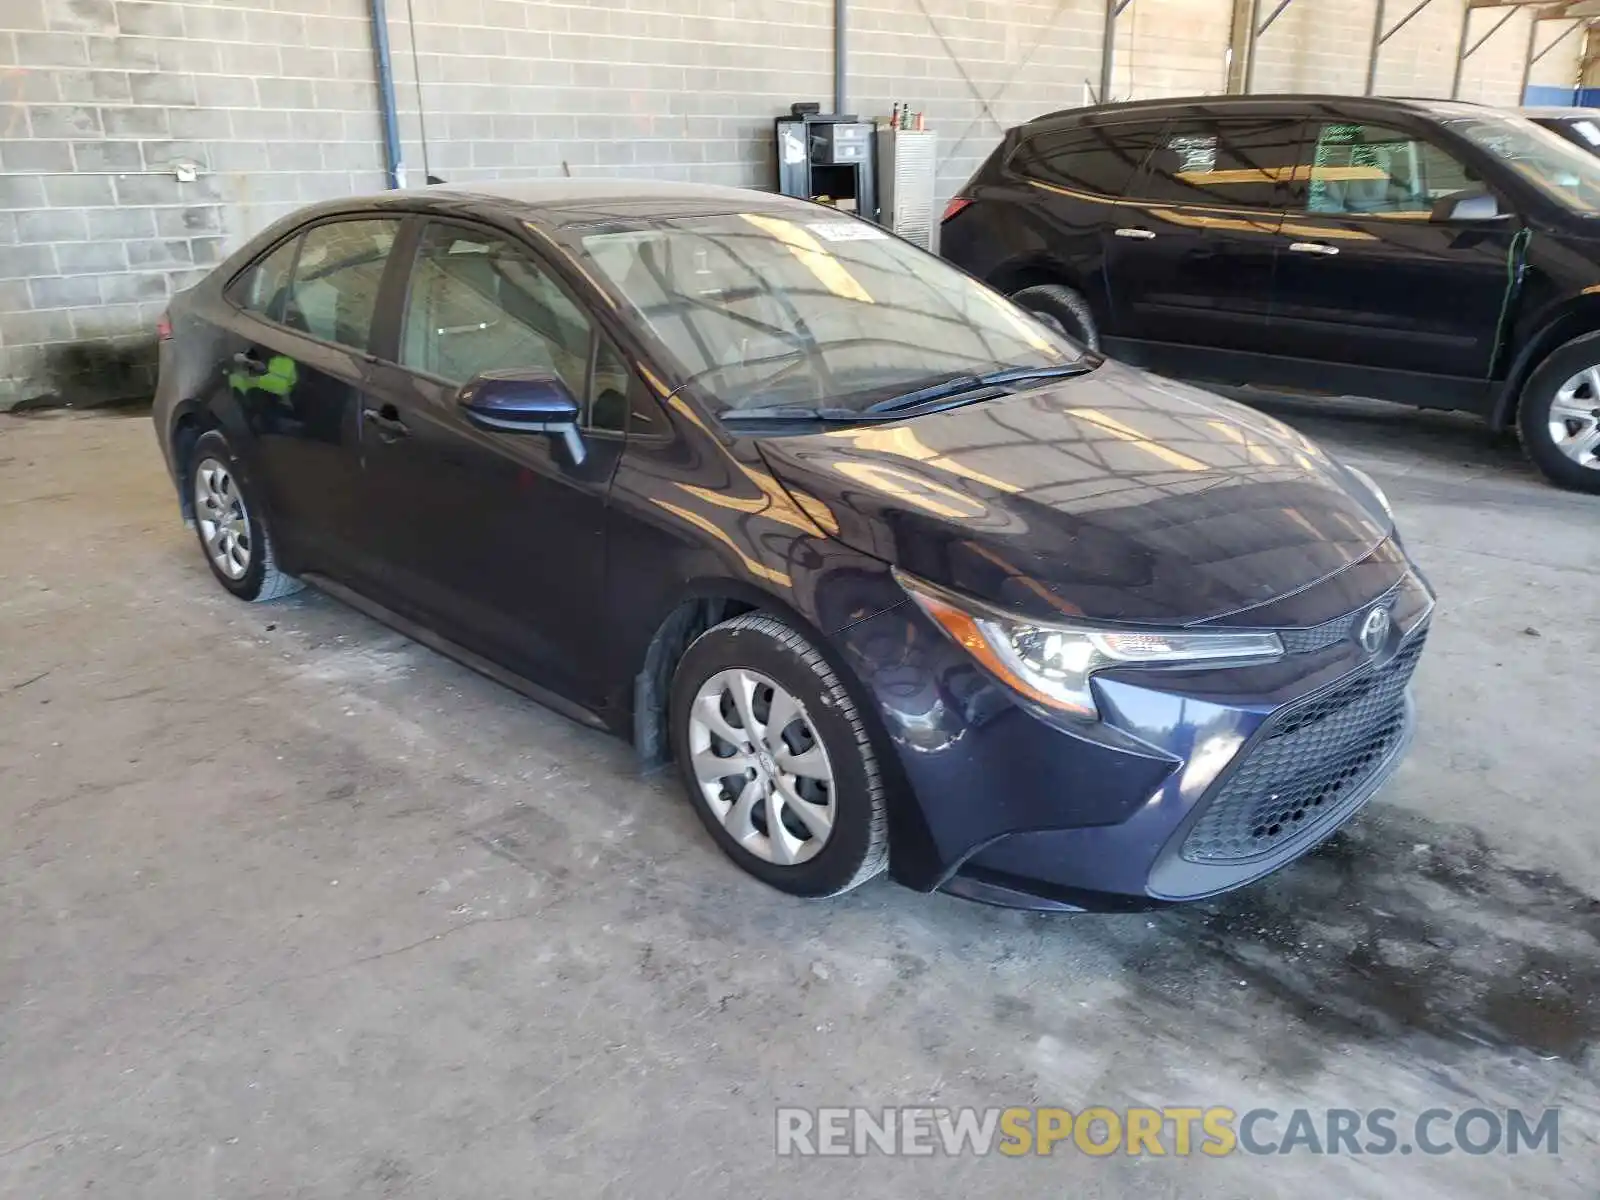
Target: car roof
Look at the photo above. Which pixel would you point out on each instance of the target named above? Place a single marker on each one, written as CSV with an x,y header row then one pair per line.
x,y
1211,105
559,202
1550,112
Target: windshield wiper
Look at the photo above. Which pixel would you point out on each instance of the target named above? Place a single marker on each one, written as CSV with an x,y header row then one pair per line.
x,y
963,384
789,412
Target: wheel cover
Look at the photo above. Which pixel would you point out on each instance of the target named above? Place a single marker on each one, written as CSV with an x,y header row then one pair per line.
x,y
224,522
761,768
1574,421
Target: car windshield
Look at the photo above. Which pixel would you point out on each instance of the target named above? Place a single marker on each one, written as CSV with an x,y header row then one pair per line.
x,y
760,309
1545,159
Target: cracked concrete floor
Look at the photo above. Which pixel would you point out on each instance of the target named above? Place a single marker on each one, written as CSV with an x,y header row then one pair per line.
x,y
294,908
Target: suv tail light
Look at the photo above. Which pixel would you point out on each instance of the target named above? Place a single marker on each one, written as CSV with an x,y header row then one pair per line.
x,y
957,203
164,328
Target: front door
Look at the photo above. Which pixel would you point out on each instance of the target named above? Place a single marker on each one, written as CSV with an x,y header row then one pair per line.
x,y
494,539
1367,278
1192,247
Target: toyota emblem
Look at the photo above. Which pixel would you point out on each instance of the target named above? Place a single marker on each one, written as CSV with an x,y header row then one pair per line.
x,y
1374,630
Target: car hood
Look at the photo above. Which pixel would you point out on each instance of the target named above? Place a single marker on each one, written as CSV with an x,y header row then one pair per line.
x,y
1114,496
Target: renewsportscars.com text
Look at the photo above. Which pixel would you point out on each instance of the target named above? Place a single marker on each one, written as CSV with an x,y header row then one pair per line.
x,y
1176,1131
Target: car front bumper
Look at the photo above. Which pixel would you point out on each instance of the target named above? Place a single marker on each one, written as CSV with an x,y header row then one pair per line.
x,y
1194,782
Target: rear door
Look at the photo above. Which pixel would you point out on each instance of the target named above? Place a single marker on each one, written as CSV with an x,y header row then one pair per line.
x,y
1367,278
1194,243
298,370
495,539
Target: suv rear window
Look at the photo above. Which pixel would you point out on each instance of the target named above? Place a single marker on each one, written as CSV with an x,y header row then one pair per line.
x,y
1096,159
1243,161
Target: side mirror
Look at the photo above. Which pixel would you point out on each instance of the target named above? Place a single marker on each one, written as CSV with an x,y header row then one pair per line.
x,y
523,401
1466,206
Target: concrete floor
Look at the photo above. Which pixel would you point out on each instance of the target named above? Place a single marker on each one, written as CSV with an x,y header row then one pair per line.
x,y
294,908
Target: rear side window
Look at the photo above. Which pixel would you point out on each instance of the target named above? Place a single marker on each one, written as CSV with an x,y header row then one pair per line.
x,y
1245,162
335,289
1098,160
263,287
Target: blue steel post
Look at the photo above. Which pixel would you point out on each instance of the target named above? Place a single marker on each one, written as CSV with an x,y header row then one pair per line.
x,y
386,104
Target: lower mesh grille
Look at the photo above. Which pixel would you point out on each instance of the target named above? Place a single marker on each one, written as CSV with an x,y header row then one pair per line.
x,y
1309,767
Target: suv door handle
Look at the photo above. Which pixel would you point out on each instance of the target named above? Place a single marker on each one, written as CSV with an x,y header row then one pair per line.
x,y
1313,248
387,420
1138,235
249,362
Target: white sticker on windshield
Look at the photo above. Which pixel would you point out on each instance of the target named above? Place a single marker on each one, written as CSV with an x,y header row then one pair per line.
x,y
1588,131
847,231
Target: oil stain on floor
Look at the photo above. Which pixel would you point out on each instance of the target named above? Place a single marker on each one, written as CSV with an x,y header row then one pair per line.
x,y
1402,926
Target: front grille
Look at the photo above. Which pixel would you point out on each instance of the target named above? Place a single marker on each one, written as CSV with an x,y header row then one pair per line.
x,y
1307,770
1303,641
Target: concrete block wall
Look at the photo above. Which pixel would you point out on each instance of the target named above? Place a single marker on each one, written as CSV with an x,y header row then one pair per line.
x,y
974,68
1171,48
275,103
1317,46
674,89
272,101
1321,45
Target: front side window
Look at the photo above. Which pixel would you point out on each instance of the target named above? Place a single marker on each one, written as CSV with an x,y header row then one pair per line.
x,y
479,302
1559,169
777,308
264,286
335,289
1358,168
1099,160
1238,162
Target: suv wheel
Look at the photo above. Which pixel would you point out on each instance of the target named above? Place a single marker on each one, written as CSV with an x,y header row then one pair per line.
x,y
1560,416
233,531
1064,310
777,758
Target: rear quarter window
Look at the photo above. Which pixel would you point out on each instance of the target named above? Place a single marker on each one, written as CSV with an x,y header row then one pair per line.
x,y
262,287
1096,160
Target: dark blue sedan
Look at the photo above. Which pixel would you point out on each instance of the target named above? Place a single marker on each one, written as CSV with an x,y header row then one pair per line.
x,y
901,577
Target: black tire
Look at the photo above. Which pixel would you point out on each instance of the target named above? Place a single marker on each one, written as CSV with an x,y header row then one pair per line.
x,y
1062,309
857,846
261,579
1533,414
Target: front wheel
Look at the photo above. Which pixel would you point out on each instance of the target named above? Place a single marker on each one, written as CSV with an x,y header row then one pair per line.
x,y
777,758
1560,416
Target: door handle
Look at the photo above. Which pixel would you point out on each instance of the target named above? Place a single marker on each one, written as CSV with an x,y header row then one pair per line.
x,y
1313,248
1138,235
387,421
248,362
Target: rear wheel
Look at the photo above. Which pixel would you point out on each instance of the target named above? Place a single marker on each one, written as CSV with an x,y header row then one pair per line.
x,y
777,759
231,526
1560,416
1063,309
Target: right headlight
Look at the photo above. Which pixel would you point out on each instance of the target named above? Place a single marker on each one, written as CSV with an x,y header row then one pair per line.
x,y
1051,663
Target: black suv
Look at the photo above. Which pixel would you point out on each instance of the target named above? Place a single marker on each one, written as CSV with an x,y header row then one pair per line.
x,y
1435,253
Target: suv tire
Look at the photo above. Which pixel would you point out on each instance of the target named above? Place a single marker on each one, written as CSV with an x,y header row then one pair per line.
x,y
1559,417
1062,309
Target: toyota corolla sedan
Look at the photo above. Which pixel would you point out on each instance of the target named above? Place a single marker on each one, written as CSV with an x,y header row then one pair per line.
x,y
899,576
